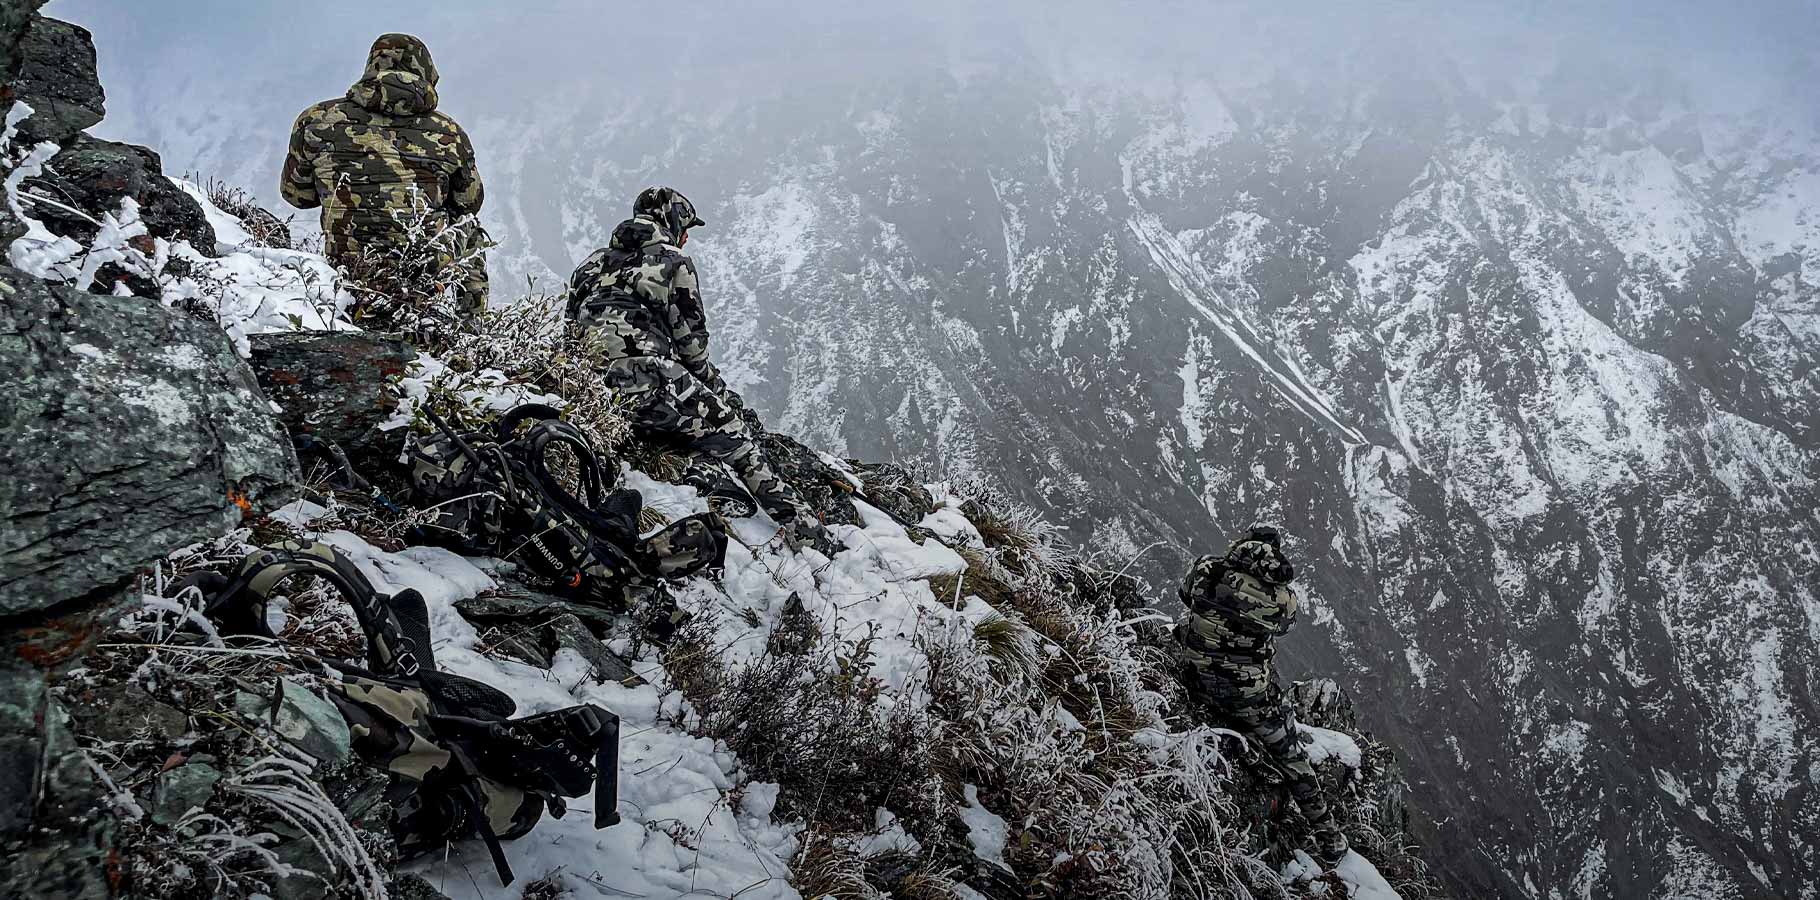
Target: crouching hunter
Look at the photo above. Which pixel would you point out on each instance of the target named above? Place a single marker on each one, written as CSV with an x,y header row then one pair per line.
x,y
1237,606
639,302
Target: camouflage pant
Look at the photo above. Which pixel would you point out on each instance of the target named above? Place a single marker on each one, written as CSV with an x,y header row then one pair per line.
x,y
1248,697
670,403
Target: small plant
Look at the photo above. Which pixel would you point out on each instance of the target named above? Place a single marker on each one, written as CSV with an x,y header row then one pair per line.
x,y
413,282
265,228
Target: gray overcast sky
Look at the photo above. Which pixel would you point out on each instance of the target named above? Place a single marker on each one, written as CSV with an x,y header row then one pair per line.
x,y
215,83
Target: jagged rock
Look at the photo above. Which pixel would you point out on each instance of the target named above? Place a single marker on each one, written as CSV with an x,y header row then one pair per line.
x,y
566,632
131,431
123,712
47,785
504,609
334,386
57,77
825,490
309,722
93,175
182,789
894,490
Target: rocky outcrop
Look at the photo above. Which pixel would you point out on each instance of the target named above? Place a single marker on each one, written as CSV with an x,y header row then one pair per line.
x,y
333,387
53,71
94,175
57,77
132,431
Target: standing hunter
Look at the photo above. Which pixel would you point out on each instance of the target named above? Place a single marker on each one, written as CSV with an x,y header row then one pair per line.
x,y
389,171
639,303
1237,606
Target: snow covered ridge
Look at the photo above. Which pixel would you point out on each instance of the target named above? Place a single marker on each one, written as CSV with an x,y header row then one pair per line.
x,y
952,699
953,705
1056,761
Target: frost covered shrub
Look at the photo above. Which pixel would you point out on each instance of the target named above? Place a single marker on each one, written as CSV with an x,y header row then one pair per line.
x,y
524,352
411,282
1056,711
265,228
814,722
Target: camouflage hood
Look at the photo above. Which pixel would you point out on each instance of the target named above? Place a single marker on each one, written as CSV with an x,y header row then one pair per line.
x,y
400,79
639,232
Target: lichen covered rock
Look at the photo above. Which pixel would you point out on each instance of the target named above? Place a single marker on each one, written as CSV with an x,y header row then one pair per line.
x,y
131,431
56,76
335,386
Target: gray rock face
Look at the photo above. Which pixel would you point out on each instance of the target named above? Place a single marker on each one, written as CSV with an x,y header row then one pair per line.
x,y
131,431
57,78
47,784
93,175
15,18
333,386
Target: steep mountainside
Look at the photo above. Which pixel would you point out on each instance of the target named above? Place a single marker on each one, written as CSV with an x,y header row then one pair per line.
x,y
1531,379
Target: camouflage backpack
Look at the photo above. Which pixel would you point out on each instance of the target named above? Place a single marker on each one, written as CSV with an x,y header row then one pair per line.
x,y
460,766
495,495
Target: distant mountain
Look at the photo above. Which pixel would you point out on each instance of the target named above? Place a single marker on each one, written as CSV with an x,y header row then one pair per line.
x,y
1532,380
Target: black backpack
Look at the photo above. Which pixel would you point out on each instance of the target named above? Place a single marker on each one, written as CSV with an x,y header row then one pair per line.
x,y
460,766
494,494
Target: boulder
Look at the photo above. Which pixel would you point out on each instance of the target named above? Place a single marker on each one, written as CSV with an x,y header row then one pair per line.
x,y
53,842
182,789
894,490
94,175
334,386
566,632
57,77
824,488
298,715
131,431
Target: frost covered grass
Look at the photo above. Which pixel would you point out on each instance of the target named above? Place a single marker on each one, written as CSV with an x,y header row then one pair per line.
x,y
523,352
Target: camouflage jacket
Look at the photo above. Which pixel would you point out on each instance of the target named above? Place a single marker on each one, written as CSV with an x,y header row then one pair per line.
x,y
381,148
639,297
1238,605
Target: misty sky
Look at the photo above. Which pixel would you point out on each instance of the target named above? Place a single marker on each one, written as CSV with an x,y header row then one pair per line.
x,y
535,45
215,84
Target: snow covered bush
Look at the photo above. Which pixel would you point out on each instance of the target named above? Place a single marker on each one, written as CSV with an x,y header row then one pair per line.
x,y
522,352
412,284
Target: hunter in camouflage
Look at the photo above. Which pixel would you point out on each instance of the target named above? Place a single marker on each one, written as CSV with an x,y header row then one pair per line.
x,y
1237,606
381,161
639,302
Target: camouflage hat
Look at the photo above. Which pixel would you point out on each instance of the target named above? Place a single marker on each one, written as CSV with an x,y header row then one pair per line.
x,y
669,207
400,78
396,52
